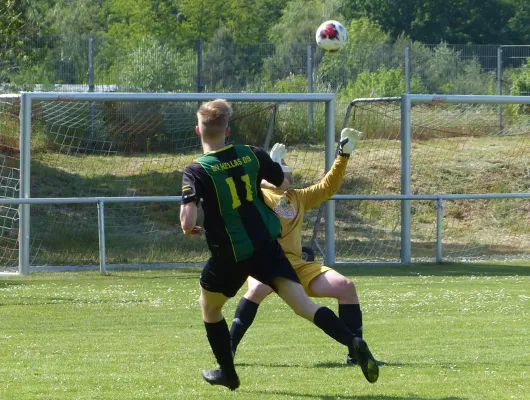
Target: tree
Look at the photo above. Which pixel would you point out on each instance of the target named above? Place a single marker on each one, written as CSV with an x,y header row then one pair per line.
x,y
20,17
87,18
248,23
293,32
518,26
224,67
452,21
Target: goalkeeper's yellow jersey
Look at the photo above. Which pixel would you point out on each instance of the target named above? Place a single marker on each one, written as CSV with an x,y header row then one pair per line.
x,y
292,205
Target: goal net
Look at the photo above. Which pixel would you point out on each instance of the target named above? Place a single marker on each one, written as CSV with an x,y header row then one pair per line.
x,y
9,178
129,147
458,145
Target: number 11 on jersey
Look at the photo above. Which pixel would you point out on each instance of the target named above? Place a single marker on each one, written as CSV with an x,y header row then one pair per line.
x,y
236,201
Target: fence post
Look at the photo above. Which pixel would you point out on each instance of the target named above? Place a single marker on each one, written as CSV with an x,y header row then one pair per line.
x,y
310,90
439,216
91,64
91,86
101,235
407,69
200,86
405,179
499,84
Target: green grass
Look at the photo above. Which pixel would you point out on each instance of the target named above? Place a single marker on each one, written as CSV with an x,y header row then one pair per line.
x,y
449,332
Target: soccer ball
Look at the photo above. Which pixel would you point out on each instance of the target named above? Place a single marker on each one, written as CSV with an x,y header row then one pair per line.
x,y
331,36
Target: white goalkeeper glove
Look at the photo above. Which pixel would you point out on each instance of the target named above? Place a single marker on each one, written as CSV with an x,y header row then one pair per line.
x,y
348,140
277,154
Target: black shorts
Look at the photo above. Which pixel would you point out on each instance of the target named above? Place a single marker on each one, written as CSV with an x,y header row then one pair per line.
x,y
267,263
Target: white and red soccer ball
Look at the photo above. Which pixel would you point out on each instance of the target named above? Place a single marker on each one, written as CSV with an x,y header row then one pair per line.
x,y
331,36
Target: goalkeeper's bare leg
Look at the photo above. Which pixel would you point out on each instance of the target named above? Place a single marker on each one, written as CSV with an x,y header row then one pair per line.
x,y
326,284
332,284
294,295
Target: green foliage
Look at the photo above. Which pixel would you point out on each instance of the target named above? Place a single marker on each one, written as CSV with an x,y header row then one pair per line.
x,y
381,83
46,60
291,84
443,70
155,66
293,33
453,21
225,66
87,17
520,87
141,18
250,23
521,81
23,17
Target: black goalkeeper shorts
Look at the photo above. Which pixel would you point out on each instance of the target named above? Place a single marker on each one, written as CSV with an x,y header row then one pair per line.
x,y
267,263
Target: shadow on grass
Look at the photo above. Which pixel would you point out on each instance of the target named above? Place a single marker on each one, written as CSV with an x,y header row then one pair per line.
x,y
402,364
342,396
191,273
56,301
336,364
268,365
443,269
8,282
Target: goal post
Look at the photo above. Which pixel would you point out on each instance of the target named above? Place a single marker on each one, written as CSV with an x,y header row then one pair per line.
x,y
71,144
522,131
437,179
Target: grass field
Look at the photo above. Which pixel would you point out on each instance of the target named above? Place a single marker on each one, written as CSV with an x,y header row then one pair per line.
x,y
449,332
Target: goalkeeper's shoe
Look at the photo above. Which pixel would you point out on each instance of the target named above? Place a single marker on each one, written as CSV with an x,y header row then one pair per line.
x,y
366,360
220,377
350,360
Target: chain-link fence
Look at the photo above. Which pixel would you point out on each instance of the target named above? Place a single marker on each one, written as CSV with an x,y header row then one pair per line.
x,y
162,65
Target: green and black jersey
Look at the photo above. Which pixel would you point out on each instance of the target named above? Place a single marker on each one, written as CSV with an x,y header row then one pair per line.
x,y
227,183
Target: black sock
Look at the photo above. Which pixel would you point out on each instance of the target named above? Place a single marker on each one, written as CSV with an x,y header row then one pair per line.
x,y
243,317
219,338
352,317
326,320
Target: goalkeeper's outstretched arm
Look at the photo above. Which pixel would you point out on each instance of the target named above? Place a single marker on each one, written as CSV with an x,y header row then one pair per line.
x,y
330,184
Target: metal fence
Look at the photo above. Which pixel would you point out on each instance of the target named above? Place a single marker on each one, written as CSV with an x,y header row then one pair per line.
x,y
161,65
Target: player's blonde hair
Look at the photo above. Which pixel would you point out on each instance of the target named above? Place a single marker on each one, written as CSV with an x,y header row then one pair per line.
x,y
213,117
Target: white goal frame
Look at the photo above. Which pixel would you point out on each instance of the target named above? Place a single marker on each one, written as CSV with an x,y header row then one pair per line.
x,y
406,103
26,99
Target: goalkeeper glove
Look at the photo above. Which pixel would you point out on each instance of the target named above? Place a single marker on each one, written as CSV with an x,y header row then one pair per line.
x,y
348,140
277,154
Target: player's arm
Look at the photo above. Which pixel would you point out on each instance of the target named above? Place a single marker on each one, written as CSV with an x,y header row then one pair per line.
x,y
188,208
269,170
188,218
330,184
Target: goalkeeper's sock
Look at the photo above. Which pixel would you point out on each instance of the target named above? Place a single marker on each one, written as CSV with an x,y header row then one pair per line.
x,y
219,338
243,317
326,320
352,317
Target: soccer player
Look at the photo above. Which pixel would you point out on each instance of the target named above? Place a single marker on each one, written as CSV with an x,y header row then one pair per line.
x,y
317,280
241,233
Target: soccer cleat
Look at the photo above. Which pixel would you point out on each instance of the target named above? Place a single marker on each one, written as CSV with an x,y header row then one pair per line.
x,y
366,360
352,361
219,377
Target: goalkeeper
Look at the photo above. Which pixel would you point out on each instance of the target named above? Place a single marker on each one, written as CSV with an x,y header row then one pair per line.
x,y
317,280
